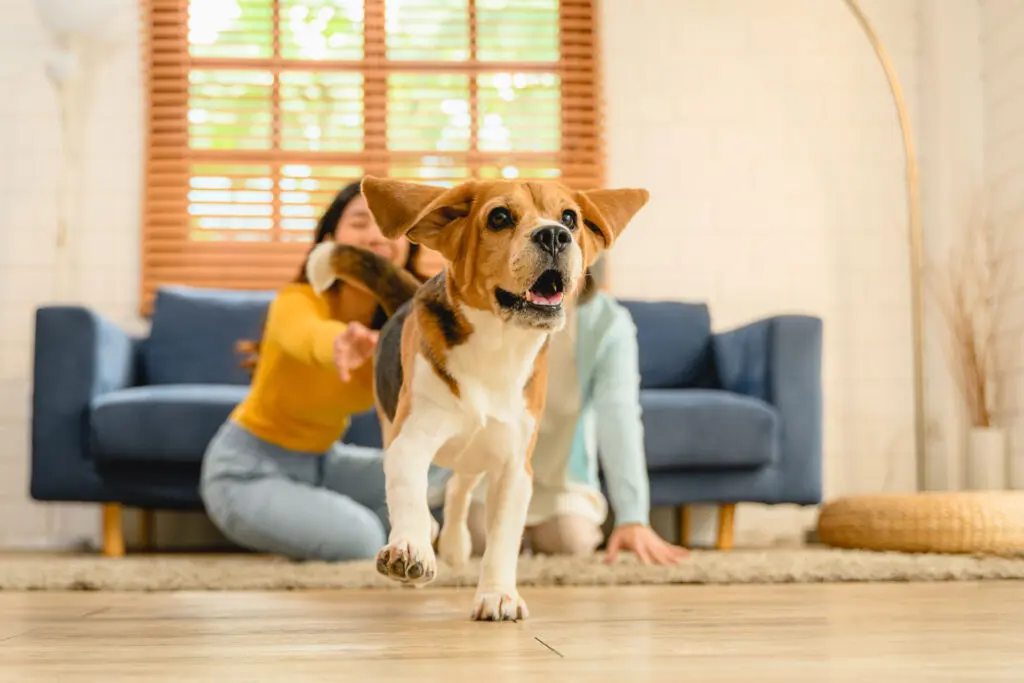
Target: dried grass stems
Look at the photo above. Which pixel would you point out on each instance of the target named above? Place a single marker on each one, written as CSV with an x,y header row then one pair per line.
x,y
971,293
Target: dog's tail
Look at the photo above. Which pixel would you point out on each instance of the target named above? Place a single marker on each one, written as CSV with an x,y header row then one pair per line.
x,y
389,284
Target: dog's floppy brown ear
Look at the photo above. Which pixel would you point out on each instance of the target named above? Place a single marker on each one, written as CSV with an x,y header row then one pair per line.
x,y
607,212
420,212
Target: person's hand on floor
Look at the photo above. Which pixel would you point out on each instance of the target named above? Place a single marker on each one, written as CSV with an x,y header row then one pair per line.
x,y
648,546
352,348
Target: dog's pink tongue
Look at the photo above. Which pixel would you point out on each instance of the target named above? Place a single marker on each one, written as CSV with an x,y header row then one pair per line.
x,y
544,300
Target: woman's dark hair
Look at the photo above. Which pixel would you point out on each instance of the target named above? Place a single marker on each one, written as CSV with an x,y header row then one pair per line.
x,y
325,230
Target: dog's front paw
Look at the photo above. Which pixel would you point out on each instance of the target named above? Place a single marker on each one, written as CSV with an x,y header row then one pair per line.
x,y
407,562
455,545
499,606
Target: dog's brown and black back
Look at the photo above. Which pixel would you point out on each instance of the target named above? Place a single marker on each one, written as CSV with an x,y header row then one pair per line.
x,y
387,369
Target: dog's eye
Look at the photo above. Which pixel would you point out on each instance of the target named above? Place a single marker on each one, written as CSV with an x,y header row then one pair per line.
x,y
499,218
569,219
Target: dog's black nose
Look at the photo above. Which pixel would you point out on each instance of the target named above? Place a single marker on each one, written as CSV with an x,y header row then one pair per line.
x,y
552,238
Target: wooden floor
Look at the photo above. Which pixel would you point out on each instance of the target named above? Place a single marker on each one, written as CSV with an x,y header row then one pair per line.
x,y
876,633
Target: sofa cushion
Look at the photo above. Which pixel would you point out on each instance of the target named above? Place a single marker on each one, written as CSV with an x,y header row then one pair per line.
x,y
170,424
194,331
364,430
674,344
707,430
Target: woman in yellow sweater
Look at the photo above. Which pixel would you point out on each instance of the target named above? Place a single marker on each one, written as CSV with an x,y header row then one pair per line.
x,y
275,478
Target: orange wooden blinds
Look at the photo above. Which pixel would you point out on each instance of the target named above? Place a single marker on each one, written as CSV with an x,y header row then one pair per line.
x,y
259,111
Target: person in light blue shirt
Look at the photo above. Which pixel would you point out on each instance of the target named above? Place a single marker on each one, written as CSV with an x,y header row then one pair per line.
x,y
592,418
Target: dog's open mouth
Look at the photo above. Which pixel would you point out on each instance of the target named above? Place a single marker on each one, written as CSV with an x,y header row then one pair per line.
x,y
548,290
545,294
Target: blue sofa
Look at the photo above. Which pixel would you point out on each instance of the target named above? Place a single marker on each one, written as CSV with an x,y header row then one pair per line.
x,y
123,421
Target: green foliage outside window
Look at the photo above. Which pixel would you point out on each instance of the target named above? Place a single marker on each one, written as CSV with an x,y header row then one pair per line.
x,y
429,121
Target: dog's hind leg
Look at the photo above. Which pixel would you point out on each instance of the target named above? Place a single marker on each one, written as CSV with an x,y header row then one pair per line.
x,y
454,544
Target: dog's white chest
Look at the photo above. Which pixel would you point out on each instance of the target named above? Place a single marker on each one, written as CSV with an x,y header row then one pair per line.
x,y
493,367
488,420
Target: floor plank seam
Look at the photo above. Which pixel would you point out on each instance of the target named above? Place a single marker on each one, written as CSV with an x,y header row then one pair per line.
x,y
7,639
537,638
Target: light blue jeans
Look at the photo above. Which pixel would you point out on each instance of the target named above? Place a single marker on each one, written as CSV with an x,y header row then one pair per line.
x,y
304,506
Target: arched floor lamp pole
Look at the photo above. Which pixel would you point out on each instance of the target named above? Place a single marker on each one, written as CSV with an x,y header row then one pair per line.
x,y
915,236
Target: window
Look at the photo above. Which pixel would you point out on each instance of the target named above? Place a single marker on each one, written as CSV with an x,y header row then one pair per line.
x,y
259,111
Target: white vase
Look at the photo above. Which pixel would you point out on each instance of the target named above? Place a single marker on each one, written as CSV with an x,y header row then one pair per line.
x,y
986,459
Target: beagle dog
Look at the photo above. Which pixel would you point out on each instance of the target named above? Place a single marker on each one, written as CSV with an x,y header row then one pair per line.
x,y
461,364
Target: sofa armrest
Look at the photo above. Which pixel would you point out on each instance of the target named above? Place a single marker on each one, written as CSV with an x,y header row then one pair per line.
x,y
778,360
78,356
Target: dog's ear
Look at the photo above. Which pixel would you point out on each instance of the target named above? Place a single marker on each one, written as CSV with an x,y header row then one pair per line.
x,y
606,213
423,213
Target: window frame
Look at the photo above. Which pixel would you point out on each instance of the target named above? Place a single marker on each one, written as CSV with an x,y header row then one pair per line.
x,y
169,253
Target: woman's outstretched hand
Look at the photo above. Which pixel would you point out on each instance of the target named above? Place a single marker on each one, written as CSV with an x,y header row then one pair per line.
x,y
648,546
352,348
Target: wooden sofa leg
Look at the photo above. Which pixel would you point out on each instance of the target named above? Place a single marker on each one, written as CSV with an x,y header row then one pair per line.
x,y
113,530
684,526
147,528
726,522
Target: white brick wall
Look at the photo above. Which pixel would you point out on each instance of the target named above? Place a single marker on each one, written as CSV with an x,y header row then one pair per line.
x,y
951,149
767,136
764,131
1002,42
30,152
104,231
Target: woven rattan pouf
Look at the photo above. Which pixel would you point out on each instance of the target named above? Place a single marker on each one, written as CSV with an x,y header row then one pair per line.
x,y
987,522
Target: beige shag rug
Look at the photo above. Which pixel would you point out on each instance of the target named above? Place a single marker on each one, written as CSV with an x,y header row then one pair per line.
x,y
249,572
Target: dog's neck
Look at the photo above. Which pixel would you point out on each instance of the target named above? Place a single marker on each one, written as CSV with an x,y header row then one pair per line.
x,y
495,363
493,336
